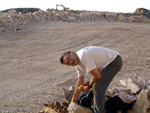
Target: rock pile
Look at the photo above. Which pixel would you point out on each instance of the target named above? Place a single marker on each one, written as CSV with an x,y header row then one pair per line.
x,y
136,87
13,20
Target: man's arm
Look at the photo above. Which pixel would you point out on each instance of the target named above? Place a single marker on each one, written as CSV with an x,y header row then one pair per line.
x,y
95,76
77,91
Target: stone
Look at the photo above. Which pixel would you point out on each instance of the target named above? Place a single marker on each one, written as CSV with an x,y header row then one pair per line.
x,y
121,17
48,110
130,84
12,11
72,19
141,104
68,93
123,82
75,108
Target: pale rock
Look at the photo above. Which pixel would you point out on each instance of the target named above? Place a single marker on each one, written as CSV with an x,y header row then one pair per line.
x,y
20,13
9,16
48,110
54,12
75,108
41,12
115,90
141,82
48,10
121,17
57,14
131,19
3,22
77,16
130,84
72,19
68,93
123,82
12,11
141,104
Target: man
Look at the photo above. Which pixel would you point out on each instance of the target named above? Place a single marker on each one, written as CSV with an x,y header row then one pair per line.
x,y
101,63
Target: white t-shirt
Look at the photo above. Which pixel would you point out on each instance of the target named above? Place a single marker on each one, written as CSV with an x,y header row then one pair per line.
x,y
94,57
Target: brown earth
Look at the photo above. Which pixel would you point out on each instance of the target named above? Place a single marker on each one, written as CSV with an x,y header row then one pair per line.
x,y
30,72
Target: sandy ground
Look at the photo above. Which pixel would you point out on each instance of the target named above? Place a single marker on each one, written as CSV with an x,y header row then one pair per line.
x,y
30,72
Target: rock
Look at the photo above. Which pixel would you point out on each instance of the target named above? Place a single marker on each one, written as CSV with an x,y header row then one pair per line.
x,y
12,11
121,17
123,82
141,104
20,13
1,24
75,108
131,84
68,93
126,98
71,19
48,110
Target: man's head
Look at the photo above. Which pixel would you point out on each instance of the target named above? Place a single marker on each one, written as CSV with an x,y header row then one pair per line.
x,y
69,58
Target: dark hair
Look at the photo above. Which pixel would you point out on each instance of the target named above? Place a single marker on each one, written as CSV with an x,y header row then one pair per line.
x,y
61,59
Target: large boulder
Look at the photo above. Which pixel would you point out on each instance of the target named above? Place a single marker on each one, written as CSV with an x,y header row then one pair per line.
x,y
131,84
141,104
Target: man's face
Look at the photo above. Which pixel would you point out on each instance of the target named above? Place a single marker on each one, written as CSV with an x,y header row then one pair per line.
x,y
71,59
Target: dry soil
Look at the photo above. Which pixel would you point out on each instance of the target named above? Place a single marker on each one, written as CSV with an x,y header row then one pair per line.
x,y
30,72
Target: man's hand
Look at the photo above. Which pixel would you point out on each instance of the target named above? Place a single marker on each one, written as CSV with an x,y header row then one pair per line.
x,y
84,88
77,91
86,83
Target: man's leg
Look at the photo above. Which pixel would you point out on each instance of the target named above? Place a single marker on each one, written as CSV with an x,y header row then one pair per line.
x,y
101,85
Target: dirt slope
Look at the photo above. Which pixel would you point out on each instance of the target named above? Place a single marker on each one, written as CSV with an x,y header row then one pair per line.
x,y
30,72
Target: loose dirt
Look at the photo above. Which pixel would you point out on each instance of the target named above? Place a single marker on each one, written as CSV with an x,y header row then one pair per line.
x,y
30,72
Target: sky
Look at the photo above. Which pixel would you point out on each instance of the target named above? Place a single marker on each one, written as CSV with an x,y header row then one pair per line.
x,y
125,6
